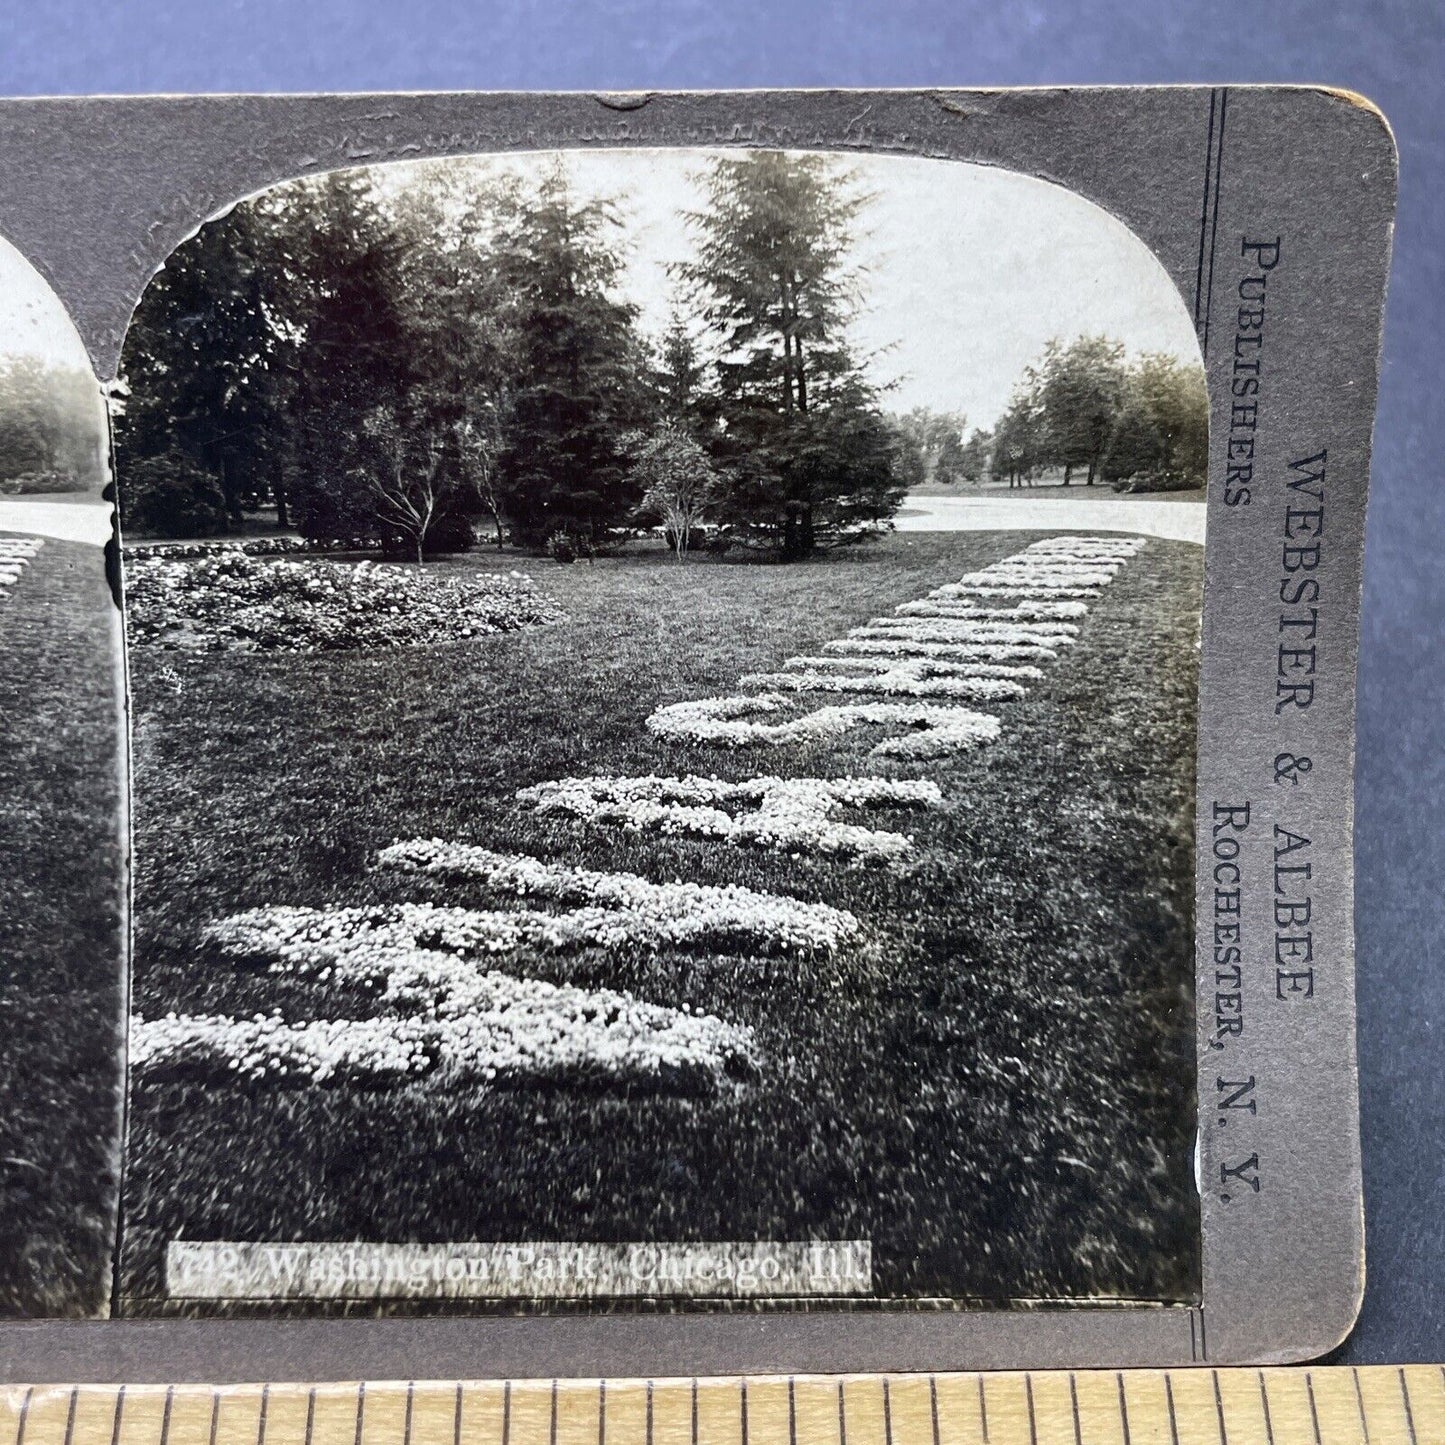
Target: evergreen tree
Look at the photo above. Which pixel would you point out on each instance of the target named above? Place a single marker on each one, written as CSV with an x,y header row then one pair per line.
x,y
580,368
807,451
681,380
197,358
351,358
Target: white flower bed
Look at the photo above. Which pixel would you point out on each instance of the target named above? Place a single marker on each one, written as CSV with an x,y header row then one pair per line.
x,y
857,648
1031,592
267,1049
1084,545
923,665
1020,612
1023,630
480,1026
234,601
1036,580
872,652
786,814
623,907
15,556
899,677
1043,577
251,547
929,630
731,722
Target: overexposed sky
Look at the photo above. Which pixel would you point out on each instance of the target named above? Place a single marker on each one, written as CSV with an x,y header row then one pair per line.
x,y
32,320
970,270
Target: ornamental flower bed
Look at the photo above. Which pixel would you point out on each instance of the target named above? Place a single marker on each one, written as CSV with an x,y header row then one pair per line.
x,y
731,722
870,654
894,677
483,1027
624,907
15,556
790,815
233,601
947,636
1020,612
253,547
975,629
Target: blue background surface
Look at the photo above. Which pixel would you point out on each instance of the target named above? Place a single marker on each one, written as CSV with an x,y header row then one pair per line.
x,y
1394,52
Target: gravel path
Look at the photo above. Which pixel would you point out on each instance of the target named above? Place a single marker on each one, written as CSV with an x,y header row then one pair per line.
x,y
87,521
1179,521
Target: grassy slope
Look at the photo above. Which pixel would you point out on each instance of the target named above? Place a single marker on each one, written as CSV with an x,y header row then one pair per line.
x,y
996,1087
60,960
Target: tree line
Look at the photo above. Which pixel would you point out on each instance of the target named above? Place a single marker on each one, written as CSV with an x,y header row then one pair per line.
x,y
412,363
1086,409
1083,409
52,427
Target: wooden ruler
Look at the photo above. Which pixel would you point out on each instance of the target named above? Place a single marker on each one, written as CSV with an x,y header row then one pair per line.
x,y
1328,1405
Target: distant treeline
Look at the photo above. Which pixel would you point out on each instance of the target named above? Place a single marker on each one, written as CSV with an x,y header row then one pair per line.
x,y
415,361
52,428
1084,410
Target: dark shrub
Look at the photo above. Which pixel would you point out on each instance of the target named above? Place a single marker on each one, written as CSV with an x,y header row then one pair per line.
x,y
171,496
53,480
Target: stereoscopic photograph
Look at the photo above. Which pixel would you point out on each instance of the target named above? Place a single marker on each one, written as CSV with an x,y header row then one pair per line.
x,y
62,966
663,708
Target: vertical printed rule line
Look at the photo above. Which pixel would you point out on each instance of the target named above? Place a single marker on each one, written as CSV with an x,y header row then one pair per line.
x,y
1214,219
1209,217
1204,213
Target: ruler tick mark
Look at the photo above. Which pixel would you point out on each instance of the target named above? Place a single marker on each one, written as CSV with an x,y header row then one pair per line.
x,y
310,1416
887,1414
1029,1395
982,1411
216,1415
1314,1411
1123,1407
1169,1404
165,1416
842,1419
1264,1400
1219,1409
24,1415
933,1405
649,1412
1405,1400
260,1421
1074,1402
792,1412
602,1412
552,1424
506,1414
406,1423
115,1422
70,1416
1360,1404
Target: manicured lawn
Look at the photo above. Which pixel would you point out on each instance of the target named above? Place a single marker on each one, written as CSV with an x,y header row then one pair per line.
x,y
995,1085
60,936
